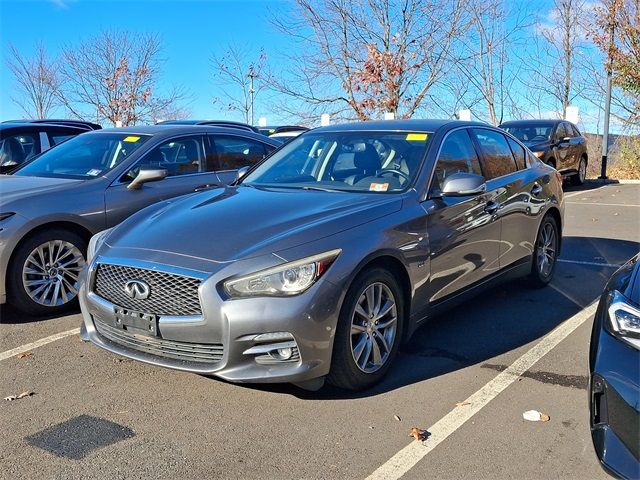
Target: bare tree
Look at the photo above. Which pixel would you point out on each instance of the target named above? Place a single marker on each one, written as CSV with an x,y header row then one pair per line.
x,y
487,52
113,76
36,80
361,58
240,80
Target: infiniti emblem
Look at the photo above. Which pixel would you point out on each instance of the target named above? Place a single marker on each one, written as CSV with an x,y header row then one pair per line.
x,y
137,289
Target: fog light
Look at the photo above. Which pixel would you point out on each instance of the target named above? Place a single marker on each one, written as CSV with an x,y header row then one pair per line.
x,y
285,353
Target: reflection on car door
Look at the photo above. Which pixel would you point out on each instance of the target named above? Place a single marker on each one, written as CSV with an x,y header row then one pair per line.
x,y
463,232
185,159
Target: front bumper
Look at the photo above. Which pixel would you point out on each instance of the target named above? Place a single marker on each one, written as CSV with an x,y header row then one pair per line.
x,y
216,342
614,402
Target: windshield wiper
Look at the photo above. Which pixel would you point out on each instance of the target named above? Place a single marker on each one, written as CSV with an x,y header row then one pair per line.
x,y
321,189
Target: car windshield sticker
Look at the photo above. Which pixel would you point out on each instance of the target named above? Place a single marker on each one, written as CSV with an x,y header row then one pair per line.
x,y
131,139
378,187
94,172
416,137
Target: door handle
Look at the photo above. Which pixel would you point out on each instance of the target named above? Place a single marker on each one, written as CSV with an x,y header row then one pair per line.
x,y
491,207
536,190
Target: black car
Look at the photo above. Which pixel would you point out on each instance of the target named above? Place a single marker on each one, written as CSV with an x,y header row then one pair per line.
x,y
215,123
558,143
614,361
20,140
270,130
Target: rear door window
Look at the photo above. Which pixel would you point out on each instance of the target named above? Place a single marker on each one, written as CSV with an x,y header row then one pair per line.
x,y
518,153
497,159
234,152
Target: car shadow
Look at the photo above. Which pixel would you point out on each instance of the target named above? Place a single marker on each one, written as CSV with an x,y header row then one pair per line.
x,y
497,321
9,315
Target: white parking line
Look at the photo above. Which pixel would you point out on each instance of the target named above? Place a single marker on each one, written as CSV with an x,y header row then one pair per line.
x,y
37,343
580,192
410,455
593,264
604,204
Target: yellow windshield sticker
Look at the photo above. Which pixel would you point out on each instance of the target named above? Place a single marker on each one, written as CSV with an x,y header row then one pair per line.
x,y
131,139
416,137
272,130
378,187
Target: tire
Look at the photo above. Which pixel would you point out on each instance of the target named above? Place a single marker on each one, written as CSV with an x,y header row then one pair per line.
x,y
36,286
345,372
545,255
579,178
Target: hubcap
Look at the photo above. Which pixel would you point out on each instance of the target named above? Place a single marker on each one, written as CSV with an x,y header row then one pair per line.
x,y
546,249
50,273
373,327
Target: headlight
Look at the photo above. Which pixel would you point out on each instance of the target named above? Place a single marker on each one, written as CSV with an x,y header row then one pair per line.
x,y
284,280
539,154
625,320
4,216
96,242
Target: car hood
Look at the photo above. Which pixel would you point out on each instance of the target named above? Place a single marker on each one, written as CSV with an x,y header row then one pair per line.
x,y
233,223
537,146
14,187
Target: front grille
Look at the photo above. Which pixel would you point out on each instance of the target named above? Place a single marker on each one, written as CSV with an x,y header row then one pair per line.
x,y
191,352
170,294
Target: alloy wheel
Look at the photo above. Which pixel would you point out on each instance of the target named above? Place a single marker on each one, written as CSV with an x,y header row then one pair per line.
x,y
582,171
546,249
50,273
373,327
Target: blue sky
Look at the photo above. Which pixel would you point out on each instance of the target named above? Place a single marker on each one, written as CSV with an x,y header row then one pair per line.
x,y
190,31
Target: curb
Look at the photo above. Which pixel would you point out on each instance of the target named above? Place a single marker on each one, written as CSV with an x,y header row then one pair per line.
x,y
608,181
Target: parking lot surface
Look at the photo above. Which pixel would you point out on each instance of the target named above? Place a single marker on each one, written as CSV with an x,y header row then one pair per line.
x,y
96,415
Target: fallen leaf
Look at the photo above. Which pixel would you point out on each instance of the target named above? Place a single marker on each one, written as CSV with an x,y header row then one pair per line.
x,y
535,416
10,398
419,434
616,214
462,404
24,354
397,418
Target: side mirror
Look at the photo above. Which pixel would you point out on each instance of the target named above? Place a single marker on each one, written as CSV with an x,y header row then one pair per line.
x,y
242,172
146,175
461,184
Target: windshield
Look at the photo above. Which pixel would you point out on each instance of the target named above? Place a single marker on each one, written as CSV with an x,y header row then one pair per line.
x,y
344,161
531,133
85,156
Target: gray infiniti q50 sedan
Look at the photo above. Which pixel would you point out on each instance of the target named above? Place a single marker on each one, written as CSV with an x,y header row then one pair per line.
x,y
50,206
326,256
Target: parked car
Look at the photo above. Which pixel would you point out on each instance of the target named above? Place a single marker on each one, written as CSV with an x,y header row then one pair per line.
x,y
273,129
21,140
215,123
558,143
614,360
51,205
325,256
286,136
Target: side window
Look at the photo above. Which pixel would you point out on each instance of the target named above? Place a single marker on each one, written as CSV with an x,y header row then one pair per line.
x,y
576,132
58,137
179,156
561,132
237,152
456,155
497,159
518,153
18,148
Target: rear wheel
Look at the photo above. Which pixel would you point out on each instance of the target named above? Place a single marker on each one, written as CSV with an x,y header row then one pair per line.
x,y
545,253
579,178
43,273
369,331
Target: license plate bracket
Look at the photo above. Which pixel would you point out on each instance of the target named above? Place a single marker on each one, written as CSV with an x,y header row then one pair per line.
x,y
136,322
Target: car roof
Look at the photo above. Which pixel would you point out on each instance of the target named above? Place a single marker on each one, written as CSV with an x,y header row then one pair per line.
x,y
17,124
421,125
534,121
168,130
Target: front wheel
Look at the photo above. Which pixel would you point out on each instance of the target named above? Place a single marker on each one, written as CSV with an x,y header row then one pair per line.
x,y
369,331
43,273
545,253
579,178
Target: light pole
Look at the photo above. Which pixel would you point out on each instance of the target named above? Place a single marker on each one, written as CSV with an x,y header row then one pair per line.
x,y
607,102
252,75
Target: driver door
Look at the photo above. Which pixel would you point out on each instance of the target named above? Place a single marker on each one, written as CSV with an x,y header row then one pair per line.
x,y
185,160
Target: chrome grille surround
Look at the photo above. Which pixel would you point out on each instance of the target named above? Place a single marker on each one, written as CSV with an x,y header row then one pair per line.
x,y
190,352
171,294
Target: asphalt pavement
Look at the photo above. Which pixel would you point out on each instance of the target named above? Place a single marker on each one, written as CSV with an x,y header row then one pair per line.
x,y
95,415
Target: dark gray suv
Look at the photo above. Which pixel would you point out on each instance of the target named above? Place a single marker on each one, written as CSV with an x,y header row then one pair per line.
x,y
50,206
326,256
